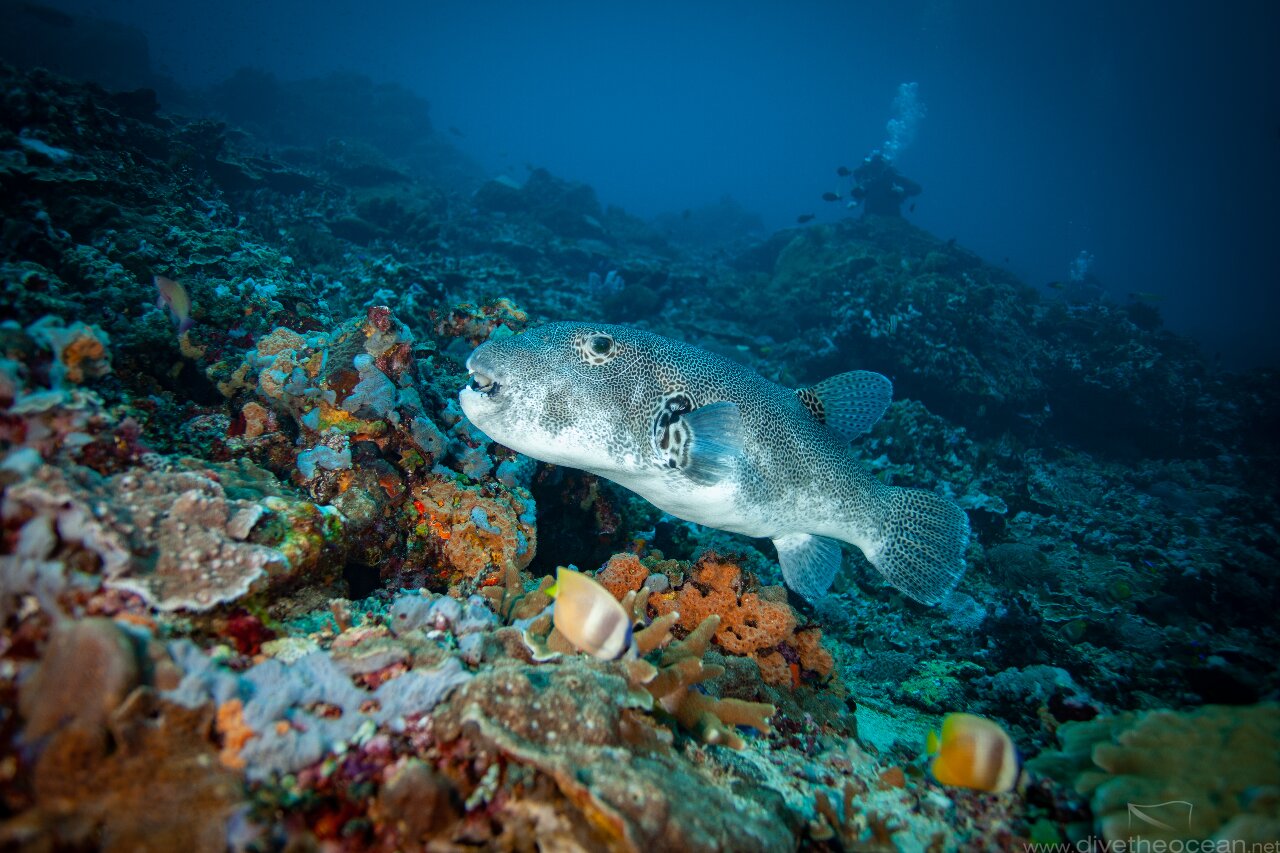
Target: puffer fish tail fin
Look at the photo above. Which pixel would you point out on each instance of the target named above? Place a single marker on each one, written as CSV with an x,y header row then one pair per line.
x,y
809,563
921,550
850,403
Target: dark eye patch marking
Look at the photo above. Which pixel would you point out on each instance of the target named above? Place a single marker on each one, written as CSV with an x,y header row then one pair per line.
x,y
670,436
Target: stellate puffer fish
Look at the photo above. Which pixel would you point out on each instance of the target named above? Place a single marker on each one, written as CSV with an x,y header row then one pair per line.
x,y
974,752
172,295
711,441
590,617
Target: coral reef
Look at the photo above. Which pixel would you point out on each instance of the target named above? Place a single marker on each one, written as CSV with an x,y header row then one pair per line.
x,y
173,537
579,737
476,531
263,586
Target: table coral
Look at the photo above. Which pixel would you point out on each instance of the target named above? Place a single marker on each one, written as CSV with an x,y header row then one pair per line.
x,y
174,537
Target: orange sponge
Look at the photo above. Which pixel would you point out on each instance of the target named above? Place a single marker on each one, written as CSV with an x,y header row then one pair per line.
x,y
813,656
622,574
758,624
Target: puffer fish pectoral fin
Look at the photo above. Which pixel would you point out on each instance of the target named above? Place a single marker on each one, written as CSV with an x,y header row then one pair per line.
x,y
704,444
922,544
809,563
850,403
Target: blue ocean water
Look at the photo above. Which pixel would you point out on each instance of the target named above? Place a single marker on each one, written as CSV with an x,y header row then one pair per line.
x,y
968,308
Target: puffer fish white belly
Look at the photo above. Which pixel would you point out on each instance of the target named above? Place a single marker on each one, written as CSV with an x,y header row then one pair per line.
x,y
719,506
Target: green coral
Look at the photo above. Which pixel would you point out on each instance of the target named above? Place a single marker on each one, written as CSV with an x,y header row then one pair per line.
x,y
938,685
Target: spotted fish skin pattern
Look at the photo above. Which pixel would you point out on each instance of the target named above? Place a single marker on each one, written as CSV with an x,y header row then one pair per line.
x,y
711,441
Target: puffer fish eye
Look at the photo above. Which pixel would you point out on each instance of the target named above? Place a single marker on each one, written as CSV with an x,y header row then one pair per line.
x,y
601,344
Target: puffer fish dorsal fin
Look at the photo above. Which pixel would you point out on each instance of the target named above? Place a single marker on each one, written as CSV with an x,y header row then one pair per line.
x,y
809,563
703,443
850,403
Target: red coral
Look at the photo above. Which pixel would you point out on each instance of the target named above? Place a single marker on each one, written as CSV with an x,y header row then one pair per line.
x,y
247,632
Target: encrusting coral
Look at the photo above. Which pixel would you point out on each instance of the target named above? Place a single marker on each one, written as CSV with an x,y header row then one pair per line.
x,y
173,536
117,767
625,786
473,531
286,715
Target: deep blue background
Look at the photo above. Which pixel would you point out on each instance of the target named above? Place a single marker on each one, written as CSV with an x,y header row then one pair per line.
x,y
1147,133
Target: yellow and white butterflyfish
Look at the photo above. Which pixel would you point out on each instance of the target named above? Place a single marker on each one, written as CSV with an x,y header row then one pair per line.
x,y
590,617
974,752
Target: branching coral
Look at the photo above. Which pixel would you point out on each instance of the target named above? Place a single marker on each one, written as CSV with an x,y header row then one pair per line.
x,y
674,687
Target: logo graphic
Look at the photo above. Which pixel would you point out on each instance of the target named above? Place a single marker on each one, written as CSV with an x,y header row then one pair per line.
x,y
1168,810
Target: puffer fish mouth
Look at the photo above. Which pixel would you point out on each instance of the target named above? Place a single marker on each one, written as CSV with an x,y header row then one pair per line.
x,y
480,379
482,383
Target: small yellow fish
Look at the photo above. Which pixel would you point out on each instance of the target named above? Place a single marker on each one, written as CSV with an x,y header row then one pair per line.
x,y
590,617
974,752
173,296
